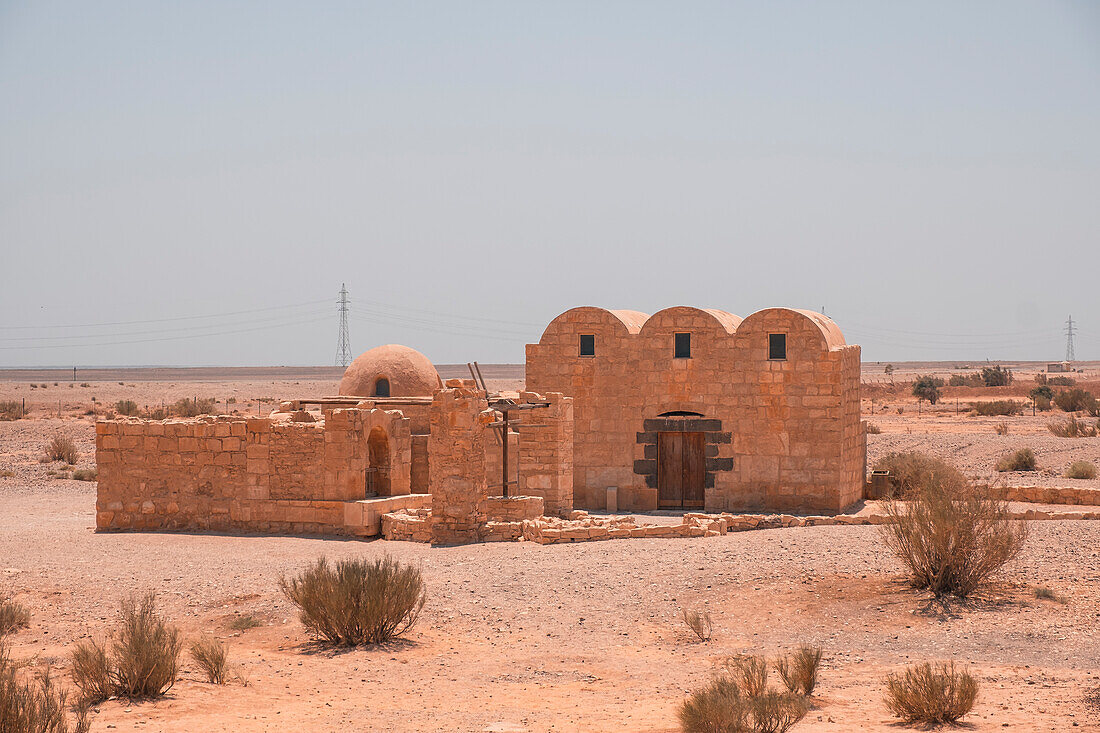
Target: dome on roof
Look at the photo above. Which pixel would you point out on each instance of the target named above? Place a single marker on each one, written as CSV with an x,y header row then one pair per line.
x,y
390,371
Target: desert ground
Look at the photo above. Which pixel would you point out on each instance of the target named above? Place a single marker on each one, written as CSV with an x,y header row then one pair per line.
x,y
585,637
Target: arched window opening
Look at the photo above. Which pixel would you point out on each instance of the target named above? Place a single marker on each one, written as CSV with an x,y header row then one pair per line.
x,y
382,387
378,468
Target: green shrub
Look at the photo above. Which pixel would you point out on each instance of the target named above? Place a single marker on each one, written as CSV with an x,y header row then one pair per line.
x,y
61,448
969,380
1081,469
912,469
34,706
996,376
799,669
997,407
927,388
1041,391
212,656
1021,460
950,536
931,695
1075,400
11,410
128,408
357,601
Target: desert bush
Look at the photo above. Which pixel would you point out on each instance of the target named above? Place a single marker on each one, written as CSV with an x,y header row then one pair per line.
x,y
716,708
357,601
1073,428
212,656
997,407
245,622
873,429
157,413
912,469
1042,404
193,408
128,408
996,376
1041,391
931,694
776,712
950,536
85,474
1075,400
799,669
1021,460
750,672
36,706
61,448
11,410
13,615
1001,428
1046,594
1081,469
927,388
1061,381
144,659
699,622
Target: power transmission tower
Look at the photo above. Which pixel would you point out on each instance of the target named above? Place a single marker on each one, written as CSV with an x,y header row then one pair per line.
x,y
343,345
1069,340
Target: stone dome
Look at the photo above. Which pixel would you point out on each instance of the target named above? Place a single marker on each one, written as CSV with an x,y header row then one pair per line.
x,y
390,371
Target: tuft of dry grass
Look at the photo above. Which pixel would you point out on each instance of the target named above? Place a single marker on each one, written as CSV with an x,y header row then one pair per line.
x,y
1081,469
212,656
91,672
11,410
1021,460
750,672
914,469
1046,594
950,536
129,408
245,622
61,448
357,601
716,708
873,429
699,622
776,712
192,408
1001,428
34,706
997,407
798,670
931,694
13,616
738,701
85,474
1073,428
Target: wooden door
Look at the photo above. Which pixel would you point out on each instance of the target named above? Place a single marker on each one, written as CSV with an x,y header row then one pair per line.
x,y
681,469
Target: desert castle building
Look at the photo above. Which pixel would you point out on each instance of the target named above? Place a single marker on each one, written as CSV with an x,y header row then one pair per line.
x,y
687,409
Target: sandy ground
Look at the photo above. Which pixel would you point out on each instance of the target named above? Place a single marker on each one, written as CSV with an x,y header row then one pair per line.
x,y
588,637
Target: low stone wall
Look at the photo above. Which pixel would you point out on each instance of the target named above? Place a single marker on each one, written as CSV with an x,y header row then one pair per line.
x,y
1047,494
413,525
513,508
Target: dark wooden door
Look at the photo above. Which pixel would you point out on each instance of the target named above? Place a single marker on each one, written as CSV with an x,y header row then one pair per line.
x,y
681,469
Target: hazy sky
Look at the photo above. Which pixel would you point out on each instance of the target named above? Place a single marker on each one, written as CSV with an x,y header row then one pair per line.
x,y
201,177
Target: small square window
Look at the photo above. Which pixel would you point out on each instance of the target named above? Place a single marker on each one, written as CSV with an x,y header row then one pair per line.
x,y
683,346
588,344
777,346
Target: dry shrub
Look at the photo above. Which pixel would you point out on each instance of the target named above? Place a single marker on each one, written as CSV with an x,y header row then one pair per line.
x,y
799,670
61,448
245,622
128,408
212,656
750,672
357,601
13,616
144,660
1075,400
85,474
873,429
192,408
1046,594
997,407
914,469
35,706
776,712
1073,428
931,694
1081,469
700,623
950,536
1021,460
11,410
1001,428
716,708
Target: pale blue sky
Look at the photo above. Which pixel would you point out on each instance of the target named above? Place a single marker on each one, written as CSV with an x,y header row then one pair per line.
x,y
929,173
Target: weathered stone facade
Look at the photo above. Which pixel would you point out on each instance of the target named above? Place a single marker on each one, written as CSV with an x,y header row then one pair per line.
x,y
546,448
456,458
775,434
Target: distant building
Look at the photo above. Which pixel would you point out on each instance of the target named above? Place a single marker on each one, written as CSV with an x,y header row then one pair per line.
x,y
1059,366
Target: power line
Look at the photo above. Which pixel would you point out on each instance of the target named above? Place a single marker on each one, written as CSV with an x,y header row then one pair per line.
x,y
1069,340
343,344
165,320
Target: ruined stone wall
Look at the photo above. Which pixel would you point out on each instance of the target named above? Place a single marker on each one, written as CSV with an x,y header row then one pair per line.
x,y
782,435
546,452
456,455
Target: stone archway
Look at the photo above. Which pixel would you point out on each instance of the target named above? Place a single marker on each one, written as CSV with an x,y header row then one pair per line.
x,y
378,462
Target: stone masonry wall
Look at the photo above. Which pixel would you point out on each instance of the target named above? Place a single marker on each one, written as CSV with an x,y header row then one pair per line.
x,y
456,457
546,452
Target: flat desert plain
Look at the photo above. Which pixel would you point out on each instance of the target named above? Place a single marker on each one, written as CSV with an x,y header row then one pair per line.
x,y
583,637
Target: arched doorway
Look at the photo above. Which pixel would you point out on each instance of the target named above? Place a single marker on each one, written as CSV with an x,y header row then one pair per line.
x,y
382,387
680,449
378,467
